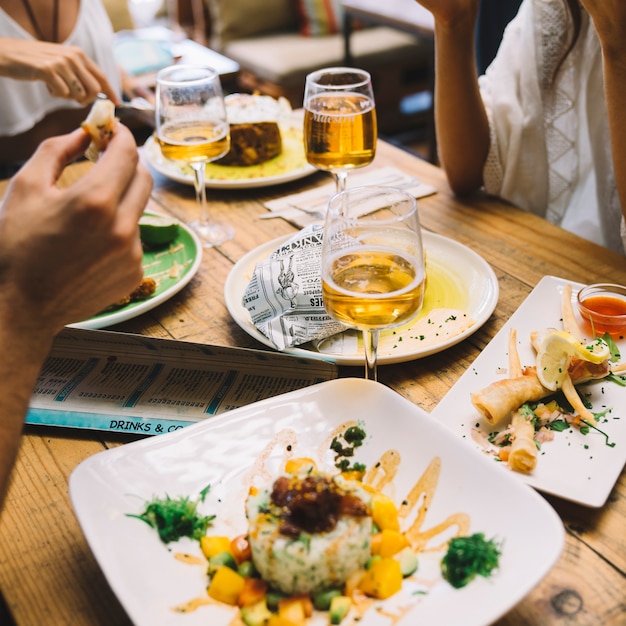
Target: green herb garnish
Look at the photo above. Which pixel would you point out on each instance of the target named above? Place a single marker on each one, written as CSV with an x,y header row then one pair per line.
x,y
468,557
178,518
344,446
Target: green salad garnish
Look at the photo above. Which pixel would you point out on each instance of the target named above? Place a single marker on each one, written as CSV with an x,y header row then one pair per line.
x,y
176,518
468,557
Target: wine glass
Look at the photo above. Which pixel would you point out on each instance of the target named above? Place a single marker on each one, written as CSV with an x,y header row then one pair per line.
x,y
191,126
340,128
372,262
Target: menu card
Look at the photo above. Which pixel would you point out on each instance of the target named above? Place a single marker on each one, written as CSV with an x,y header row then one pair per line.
x,y
105,380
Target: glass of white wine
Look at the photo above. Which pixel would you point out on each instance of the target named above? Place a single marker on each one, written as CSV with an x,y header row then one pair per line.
x,y
340,130
372,266
191,127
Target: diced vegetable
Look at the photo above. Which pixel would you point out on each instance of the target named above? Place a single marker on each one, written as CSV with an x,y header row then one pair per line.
x,y
298,465
214,544
382,579
392,541
247,569
278,620
385,512
240,548
273,598
322,599
226,585
253,591
293,610
217,561
339,608
408,561
255,614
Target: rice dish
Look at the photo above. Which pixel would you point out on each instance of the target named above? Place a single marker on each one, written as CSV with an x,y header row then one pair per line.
x,y
309,532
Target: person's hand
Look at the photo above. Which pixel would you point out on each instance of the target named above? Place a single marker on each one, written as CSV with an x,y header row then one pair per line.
x,y
67,253
451,11
67,71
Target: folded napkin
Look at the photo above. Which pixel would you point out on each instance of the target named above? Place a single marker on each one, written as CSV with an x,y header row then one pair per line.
x,y
309,207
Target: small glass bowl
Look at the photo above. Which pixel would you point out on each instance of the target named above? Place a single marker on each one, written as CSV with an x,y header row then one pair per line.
x,y
603,307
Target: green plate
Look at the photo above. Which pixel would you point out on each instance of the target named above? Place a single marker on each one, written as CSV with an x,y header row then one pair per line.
x,y
172,267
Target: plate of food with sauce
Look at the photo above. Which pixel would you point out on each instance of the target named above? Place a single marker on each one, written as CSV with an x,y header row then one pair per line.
x,y
545,398
266,147
172,254
461,294
340,503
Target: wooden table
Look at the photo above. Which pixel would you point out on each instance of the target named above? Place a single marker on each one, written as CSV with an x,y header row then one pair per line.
x,y
48,574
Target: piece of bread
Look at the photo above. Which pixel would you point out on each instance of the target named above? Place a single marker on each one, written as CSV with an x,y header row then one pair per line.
x,y
254,128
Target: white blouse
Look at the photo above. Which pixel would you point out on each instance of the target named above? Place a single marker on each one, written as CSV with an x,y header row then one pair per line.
x,y
550,149
24,103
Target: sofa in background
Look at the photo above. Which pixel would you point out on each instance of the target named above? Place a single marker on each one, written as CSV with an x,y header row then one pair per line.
x,y
278,42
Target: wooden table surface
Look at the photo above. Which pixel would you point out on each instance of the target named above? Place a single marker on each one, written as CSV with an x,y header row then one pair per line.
x,y
47,572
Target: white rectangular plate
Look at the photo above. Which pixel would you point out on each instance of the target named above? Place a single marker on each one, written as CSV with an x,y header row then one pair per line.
x,y
577,467
229,451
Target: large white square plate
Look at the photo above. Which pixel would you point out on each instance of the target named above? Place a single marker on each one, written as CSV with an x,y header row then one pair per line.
x,y
577,467
226,451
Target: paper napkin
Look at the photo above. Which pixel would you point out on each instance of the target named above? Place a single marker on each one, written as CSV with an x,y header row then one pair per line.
x,y
309,207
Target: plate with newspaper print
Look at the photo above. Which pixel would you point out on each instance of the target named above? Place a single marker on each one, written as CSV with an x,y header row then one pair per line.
x,y
461,294
172,267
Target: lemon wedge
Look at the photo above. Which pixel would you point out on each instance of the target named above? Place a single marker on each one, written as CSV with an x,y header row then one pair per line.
x,y
556,352
157,230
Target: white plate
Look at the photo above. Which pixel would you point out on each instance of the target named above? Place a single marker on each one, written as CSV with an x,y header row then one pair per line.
x,y
577,467
468,272
290,165
172,267
229,450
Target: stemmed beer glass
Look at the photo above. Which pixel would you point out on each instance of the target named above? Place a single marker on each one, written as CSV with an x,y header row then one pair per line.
x,y
340,130
192,127
372,262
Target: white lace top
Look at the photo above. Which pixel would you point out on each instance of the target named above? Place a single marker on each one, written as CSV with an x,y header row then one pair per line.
x,y
550,147
24,103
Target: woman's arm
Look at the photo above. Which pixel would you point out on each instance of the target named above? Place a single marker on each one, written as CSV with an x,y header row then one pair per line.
x,y
609,19
460,118
67,71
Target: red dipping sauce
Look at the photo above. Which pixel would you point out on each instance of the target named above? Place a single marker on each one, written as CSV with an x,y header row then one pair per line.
x,y
603,307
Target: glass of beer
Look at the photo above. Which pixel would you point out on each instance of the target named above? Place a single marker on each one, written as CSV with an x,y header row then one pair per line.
x,y
340,129
191,127
372,266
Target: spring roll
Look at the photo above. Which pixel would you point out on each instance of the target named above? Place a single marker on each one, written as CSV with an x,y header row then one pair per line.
x,y
501,398
523,452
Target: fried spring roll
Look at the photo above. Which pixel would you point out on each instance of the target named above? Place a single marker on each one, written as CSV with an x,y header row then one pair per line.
x,y
523,453
501,398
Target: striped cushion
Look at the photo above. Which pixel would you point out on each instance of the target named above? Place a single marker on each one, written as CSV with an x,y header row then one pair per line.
x,y
319,17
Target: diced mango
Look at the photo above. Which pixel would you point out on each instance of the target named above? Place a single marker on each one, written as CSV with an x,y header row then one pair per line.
x,y
253,591
240,548
278,620
382,579
385,512
212,545
293,609
226,585
300,464
391,542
